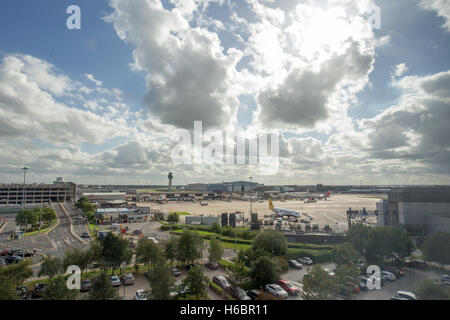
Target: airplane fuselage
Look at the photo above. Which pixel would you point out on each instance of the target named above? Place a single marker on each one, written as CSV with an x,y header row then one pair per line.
x,y
286,212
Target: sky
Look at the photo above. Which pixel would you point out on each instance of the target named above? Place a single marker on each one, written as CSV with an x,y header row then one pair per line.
x,y
353,92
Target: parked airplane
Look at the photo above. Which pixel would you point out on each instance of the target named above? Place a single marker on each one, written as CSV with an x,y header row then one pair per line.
x,y
284,212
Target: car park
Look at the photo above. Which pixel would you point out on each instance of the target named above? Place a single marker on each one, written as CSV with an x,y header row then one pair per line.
x,y
175,271
276,290
295,264
140,295
253,294
406,295
306,260
115,281
38,290
212,265
290,288
86,285
128,279
237,293
221,281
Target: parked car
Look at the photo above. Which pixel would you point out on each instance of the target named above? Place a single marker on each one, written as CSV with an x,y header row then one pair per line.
x,y
23,253
147,274
86,285
13,259
353,287
387,276
295,264
287,286
406,295
253,294
21,292
38,290
4,252
394,270
175,271
140,295
306,260
399,298
237,293
128,279
330,272
12,252
276,291
85,235
212,265
445,278
115,281
416,264
221,281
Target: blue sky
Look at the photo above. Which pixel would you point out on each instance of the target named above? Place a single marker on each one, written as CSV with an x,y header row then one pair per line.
x,y
145,110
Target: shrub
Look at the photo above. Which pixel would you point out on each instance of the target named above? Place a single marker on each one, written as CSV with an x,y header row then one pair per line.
x,y
282,263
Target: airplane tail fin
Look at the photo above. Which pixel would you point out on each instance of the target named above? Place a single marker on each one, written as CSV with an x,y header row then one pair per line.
x,y
270,204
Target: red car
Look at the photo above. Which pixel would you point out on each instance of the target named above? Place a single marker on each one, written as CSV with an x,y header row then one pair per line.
x,y
354,287
4,253
288,287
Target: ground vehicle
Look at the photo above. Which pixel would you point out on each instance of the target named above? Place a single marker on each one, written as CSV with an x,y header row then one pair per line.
x,y
406,295
147,274
416,264
276,290
399,298
175,271
221,281
353,287
4,253
12,252
140,295
445,278
212,265
38,290
115,281
238,293
85,235
128,279
86,285
253,294
331,273
387,275
396,271
13,259
295,264
306,260
288,287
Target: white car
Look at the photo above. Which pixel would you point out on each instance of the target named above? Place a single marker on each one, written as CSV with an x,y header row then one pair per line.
x,y
306,260
153,239
276,290
388,275
140,295
331,273
406,295
115,281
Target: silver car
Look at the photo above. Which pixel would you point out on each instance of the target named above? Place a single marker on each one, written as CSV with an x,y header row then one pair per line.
x,y
115,281
128,279
387,275
276,290
140,295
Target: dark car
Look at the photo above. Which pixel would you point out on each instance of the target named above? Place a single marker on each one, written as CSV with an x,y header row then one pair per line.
x,y
212,265
417,264
147,274
23,253
295,264
13,259
253,294
238,293
221,281
86,285
38,290
175,271
85,235
12,252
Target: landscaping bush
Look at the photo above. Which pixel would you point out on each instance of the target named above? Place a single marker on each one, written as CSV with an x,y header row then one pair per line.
x,y
282,263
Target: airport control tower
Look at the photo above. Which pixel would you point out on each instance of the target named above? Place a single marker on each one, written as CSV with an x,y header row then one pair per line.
x,y
170,180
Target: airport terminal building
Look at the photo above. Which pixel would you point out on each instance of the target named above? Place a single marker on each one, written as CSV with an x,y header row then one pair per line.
x,y
420,210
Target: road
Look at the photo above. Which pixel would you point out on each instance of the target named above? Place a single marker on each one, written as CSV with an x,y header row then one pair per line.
x,y
79,226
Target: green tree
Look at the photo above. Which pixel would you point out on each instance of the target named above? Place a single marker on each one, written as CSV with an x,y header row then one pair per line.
x,y
272,242
26,217
51,267
57,290
102,289
265,271
319,285
171,249
344,254
148,252
115,250
161,281
196,282
48,215
215,250
428,290
173,218
189,246
437,248
216,228
237,274
18,272
78,257
7,288
358,235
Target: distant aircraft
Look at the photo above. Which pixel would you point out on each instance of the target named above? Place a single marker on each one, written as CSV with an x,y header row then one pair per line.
x,y
250,197
203,203
283,212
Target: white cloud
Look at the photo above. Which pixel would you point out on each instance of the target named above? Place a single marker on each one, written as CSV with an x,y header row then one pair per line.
x,y
91,78
442,8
